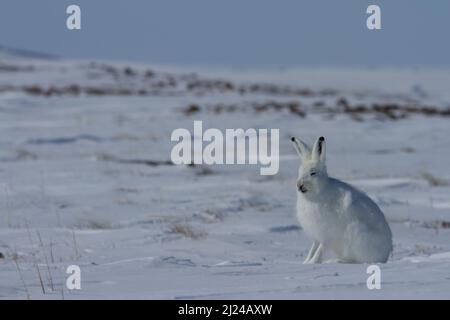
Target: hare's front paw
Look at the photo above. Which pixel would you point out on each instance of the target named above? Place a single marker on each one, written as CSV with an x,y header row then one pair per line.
x,y
315,254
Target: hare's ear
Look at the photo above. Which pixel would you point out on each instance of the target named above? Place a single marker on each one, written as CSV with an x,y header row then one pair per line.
x,y
318,152
302,149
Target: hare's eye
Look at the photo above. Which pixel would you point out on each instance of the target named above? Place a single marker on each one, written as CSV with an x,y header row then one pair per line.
x,y
313,173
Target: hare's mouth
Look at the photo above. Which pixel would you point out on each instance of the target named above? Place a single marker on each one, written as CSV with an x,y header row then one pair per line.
x,y
302,188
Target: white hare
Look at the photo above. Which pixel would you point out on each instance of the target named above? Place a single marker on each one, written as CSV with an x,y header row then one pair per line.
x,y
336,215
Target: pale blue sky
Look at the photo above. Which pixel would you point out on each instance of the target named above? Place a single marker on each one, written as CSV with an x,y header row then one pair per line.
x,y
235,32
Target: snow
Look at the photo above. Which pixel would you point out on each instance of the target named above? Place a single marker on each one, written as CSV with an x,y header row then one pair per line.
x,y
84,180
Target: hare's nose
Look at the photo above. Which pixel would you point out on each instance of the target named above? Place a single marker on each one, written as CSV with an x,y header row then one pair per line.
x,y
301,187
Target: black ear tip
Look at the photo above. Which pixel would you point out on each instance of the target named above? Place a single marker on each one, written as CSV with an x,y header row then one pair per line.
x,y
321,139
292,139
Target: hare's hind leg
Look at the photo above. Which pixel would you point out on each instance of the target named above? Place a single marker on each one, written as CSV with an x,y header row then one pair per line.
x,y
344,259
311,252
333,261
338,260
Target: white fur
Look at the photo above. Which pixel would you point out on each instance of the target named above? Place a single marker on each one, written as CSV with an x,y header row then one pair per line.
x,y
336,215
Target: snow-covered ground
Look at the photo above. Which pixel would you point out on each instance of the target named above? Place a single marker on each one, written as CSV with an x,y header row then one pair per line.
x,y
86,179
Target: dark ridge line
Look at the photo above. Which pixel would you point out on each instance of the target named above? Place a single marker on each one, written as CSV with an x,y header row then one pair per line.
x,y
392,111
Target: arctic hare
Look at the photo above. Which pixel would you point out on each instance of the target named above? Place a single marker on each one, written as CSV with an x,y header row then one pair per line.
x,y
336,215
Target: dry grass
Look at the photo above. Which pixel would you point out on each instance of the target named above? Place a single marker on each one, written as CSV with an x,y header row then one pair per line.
x,y
213,215
201,170
49,273
147,162
92,224
437,224
16,262
433,180
75,246
186,231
